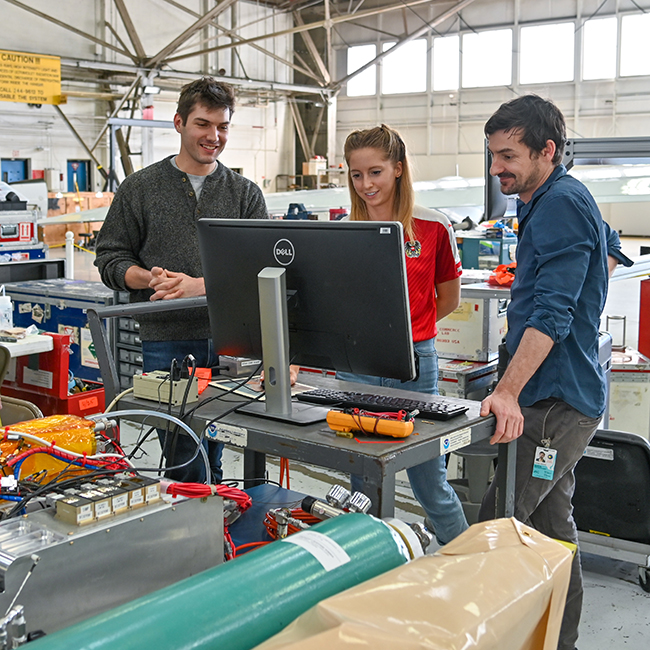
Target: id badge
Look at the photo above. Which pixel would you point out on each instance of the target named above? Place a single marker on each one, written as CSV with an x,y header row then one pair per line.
x,y
544,463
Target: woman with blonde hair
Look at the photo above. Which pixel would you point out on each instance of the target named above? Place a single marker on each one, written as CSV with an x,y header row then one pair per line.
x,y
381,189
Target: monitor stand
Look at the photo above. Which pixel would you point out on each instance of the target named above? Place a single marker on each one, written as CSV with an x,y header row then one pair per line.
x,y
274,323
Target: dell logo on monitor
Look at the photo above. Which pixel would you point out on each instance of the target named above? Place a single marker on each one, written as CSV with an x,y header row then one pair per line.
x,y
283,252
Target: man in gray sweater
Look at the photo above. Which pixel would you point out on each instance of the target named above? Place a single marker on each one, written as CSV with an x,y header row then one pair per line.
x,y
149,246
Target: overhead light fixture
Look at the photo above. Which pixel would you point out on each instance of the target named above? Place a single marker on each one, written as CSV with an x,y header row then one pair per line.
x,y
151,90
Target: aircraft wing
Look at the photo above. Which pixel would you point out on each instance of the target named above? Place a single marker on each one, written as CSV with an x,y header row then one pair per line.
x,y
85,216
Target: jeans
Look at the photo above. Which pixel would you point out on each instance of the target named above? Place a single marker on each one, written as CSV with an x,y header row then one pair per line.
x,y
546,505
158,355
428,480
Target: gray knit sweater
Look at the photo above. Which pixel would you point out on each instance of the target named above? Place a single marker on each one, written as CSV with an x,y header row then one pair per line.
x,y
153,222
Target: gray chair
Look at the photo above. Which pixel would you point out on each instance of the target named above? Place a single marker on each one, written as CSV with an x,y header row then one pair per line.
x,y
479,460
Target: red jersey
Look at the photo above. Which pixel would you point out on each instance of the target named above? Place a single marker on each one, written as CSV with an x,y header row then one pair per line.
x,y
431,259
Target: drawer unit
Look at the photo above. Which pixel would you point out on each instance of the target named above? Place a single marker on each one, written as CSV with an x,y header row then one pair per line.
x,y
59,305
127,347
130,356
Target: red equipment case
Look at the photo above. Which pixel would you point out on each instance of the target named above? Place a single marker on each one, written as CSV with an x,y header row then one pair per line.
x,y
43,380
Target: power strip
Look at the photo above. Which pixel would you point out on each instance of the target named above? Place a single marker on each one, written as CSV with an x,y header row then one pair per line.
x,y
155,386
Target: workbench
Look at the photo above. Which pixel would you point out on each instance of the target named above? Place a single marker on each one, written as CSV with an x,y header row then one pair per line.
x,y
376,458
378,461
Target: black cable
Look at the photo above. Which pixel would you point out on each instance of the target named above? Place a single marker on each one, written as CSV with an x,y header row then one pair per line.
x,y
59,485
187,417
188,359
229,481
139,443
234,408
220,396
170,377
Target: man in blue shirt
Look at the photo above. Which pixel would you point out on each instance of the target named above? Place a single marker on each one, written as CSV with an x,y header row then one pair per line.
x,y
552,394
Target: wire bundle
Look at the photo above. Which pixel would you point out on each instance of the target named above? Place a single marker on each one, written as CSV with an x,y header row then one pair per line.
x,y
97,461
361,418
200,490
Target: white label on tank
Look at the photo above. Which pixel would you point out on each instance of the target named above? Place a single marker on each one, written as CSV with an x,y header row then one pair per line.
x,y
456,440
599,452
328,552
227,433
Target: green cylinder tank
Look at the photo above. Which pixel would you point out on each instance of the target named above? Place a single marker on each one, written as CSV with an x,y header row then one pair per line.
x,y
237,605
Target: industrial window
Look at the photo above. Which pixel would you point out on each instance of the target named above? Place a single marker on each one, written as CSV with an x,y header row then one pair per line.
x,y
446,62
599,40
635,45
546,53
365,83
487,59
405,69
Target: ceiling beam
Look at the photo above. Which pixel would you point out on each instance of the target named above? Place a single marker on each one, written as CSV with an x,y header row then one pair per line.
x,y
312,49
228,32
303,28
300,129
130,30
74,30
417,33
116,35
98,165
189,32
128,71
115,111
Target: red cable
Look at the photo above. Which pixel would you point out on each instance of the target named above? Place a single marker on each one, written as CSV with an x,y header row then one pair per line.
x,y
284,467
228,543
250,546
65,456
199,490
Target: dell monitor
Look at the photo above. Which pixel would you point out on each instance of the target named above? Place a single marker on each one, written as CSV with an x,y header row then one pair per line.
x,y
325,294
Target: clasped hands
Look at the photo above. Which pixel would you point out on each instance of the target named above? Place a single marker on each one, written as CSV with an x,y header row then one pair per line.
x,y
168,285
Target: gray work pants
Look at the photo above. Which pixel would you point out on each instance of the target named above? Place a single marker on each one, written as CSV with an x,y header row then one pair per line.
x,y
546,505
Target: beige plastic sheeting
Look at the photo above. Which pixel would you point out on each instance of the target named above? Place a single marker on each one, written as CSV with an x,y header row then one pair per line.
x,y
500,585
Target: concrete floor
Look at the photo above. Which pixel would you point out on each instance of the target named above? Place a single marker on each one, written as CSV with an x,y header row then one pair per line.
x,y
615,611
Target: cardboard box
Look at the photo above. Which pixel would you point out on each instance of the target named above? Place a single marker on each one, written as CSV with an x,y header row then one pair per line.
x,y
314,167
68,203
629,393
473,331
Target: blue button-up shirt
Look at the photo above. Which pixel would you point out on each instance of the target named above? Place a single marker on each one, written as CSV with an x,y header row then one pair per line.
x,y
560,289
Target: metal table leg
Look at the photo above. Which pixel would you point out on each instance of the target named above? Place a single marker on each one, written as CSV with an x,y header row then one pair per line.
x,y
254,468
379,487
505,494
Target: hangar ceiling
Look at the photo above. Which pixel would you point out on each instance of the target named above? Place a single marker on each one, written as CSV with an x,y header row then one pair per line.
x,y
313,20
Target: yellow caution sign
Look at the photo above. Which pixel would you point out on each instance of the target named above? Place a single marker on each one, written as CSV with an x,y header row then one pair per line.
x,y
30,78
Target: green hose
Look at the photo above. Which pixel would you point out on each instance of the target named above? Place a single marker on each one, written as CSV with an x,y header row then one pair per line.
x,y
237,605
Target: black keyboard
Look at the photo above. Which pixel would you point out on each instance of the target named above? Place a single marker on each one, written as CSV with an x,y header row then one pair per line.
x,y
438,410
